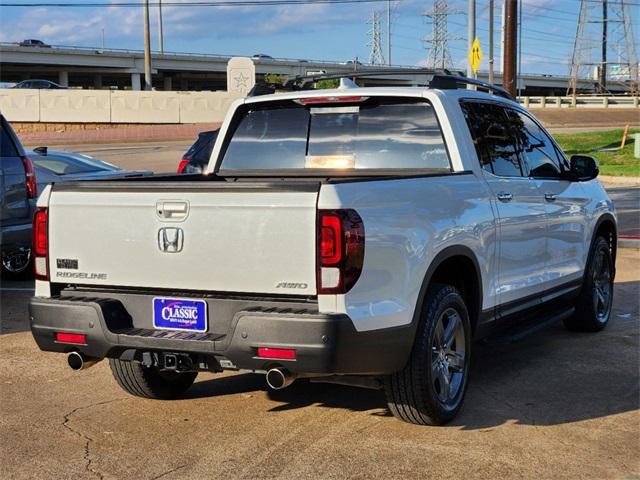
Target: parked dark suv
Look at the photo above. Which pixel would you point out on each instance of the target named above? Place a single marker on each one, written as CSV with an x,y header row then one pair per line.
x,y
18,194
196,159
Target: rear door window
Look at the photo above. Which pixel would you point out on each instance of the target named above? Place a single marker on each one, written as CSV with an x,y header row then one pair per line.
x,y
493,138
537,149
378,133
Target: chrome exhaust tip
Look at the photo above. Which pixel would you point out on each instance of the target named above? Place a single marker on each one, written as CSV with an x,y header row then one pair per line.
x,y
279,378
77,361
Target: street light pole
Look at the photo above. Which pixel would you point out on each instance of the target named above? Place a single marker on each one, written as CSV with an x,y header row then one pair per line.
x,y
160,33
491,79
388,32
147,48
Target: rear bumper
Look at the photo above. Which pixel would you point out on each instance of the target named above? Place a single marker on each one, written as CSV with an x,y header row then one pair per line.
x,y
324,344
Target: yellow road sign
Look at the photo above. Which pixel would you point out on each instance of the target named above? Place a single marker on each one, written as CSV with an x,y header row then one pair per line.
x,y
475,55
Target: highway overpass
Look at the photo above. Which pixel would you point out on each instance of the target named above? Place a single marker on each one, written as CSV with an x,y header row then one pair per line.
x,y
124,69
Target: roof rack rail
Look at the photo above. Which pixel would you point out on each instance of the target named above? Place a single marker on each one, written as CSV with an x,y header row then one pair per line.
x,y
310,79
440,78
304,82
448,82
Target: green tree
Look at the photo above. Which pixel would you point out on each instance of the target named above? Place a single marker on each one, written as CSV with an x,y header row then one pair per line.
x,y
329,83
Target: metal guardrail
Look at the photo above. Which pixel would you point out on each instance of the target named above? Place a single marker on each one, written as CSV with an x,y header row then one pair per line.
x,y
605,101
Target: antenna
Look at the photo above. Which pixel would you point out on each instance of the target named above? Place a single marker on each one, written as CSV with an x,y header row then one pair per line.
x,y
439,56
605,24
375,40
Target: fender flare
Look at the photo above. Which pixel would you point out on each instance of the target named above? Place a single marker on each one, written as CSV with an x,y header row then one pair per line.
x,y
439,259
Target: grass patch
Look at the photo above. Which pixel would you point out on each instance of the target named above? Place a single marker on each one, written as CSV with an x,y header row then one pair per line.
x,y
619,162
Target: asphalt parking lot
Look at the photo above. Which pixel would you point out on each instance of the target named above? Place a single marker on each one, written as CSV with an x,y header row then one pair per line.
x,y
553,405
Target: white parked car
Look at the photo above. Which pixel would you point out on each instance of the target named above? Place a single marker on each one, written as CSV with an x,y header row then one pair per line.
x,y
358,235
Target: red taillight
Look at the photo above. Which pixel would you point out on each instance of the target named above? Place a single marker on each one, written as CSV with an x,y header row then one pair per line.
x,y
340,250
74,338
331,239
32,186
41,243
277,353
315,100
182,165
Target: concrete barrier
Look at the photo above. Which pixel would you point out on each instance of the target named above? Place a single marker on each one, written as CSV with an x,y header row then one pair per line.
x,y
204,107
68,105
104,106
145,107
20,105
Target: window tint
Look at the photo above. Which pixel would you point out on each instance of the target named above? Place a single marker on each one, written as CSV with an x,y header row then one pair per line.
x,y
381,134
7,149
273,138
536,147
495,144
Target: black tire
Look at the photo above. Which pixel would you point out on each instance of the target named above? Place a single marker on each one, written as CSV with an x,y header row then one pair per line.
x,y
12,271
593,306
145,382
412,393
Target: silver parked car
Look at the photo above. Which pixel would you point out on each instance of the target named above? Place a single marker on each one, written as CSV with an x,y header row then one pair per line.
x,y
55,166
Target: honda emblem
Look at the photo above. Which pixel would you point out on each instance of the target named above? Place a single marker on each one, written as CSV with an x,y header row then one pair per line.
x,y
170,239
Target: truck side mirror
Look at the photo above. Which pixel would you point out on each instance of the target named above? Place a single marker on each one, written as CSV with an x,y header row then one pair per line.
x,y
583,168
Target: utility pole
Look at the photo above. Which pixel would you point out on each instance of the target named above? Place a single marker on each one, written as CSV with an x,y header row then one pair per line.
x,y
388,32
160,33
471,33
491,79
510,61
147,48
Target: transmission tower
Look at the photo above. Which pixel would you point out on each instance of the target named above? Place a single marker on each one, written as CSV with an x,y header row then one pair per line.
x,y
604,49
439,56
375,40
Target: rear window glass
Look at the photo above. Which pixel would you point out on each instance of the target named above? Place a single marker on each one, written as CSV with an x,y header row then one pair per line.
x,y
376,134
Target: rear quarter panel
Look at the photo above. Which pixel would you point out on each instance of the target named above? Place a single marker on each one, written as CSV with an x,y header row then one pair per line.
x,y
407,223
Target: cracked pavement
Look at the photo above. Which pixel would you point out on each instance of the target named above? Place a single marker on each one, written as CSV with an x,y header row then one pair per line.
x,y
553,405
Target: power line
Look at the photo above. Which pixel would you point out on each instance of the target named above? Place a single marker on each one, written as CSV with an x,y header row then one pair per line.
x,y
210,3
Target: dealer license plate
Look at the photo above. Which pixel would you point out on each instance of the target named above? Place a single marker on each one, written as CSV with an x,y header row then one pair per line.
x,y
180,314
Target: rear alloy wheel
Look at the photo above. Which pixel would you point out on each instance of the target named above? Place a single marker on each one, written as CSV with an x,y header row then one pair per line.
x,y
150,382
16,263
593,307
431,387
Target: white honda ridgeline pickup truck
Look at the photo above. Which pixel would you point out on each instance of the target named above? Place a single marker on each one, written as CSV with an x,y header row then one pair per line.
x,y
362,236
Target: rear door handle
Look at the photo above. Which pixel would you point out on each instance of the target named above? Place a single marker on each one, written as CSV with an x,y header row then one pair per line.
x,y
504,197
550,197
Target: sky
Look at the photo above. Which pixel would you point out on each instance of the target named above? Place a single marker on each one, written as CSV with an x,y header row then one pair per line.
x,y
322,32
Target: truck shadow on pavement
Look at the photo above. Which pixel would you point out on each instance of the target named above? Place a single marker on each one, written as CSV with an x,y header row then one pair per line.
x,y
550,377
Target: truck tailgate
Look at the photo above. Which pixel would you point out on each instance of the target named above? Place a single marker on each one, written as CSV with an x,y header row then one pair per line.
x,y
207,236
